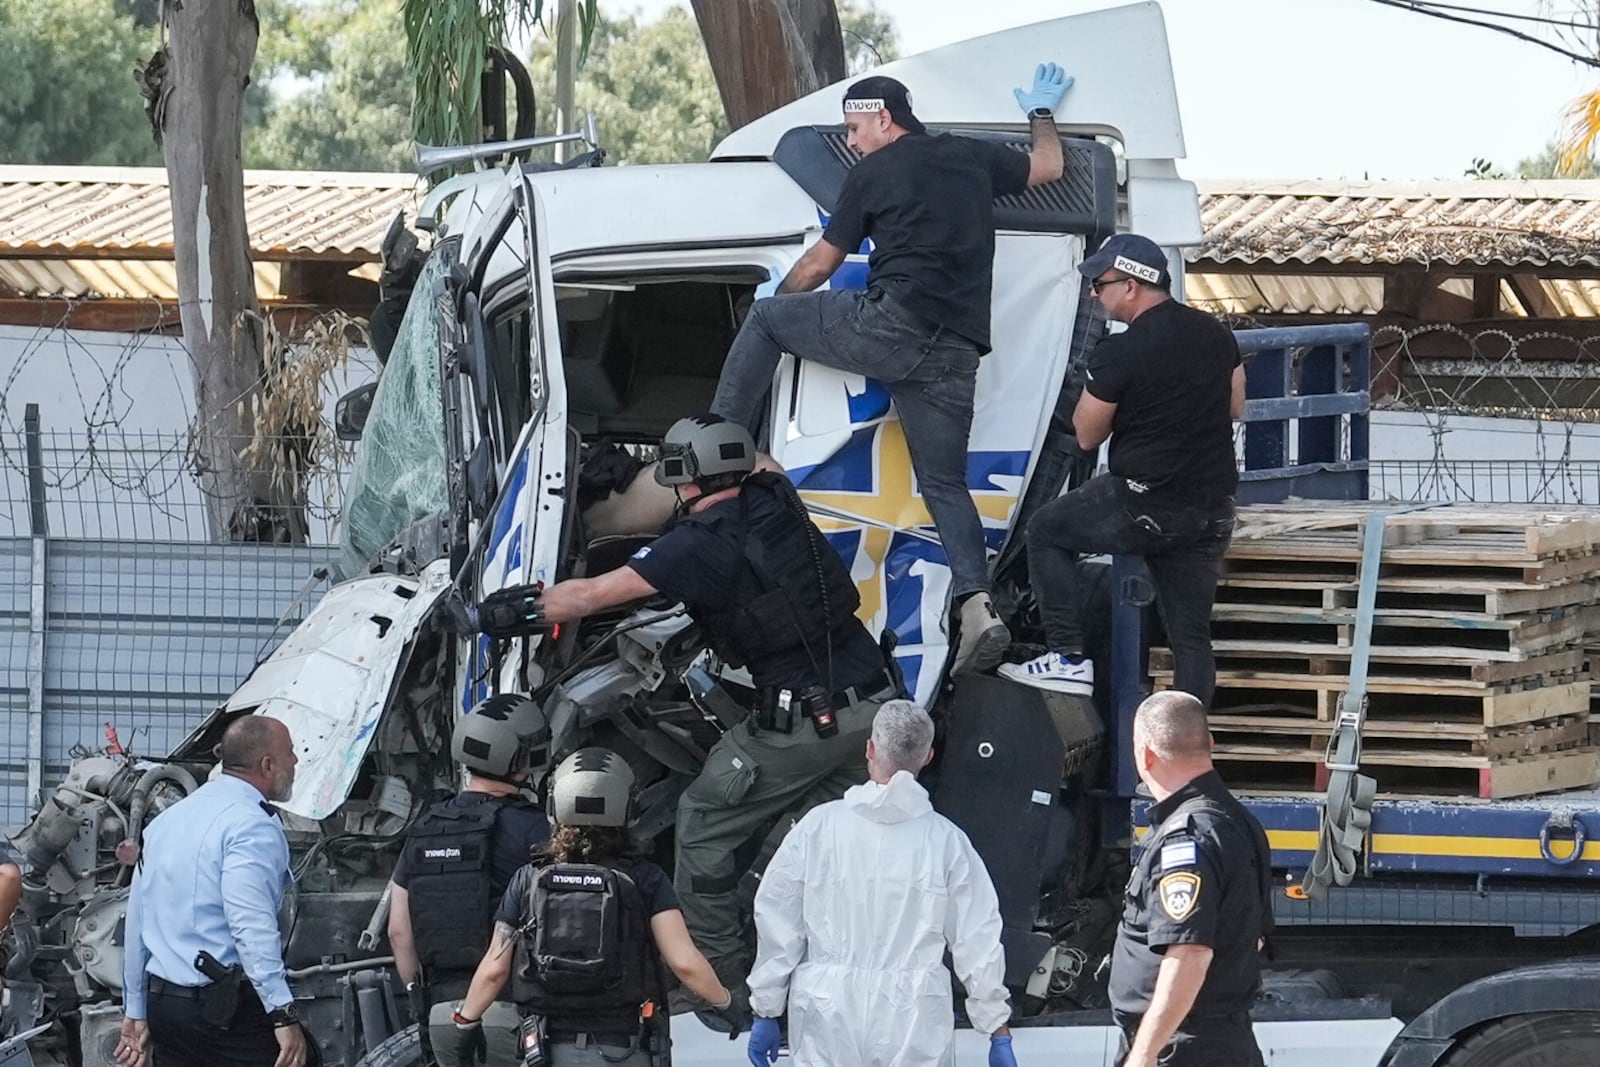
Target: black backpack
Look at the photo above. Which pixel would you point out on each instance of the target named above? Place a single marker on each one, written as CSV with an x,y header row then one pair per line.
x,y
586,956
449,852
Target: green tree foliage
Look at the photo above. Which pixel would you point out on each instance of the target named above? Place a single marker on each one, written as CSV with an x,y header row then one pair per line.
x,y
69,95
1547,164
651,88
336,94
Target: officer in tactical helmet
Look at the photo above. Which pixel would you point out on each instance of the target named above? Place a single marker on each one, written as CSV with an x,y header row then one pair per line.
x,y
771,595
461,854
582,935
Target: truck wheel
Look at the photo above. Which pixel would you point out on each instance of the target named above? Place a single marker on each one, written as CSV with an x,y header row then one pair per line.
x,y
399,1050
1542,1040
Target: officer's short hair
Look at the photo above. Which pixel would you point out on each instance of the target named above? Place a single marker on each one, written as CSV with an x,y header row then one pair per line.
x,y
246,742
1173,726
902,735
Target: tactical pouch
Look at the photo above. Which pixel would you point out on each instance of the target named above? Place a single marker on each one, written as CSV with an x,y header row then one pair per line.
x,y
219,1001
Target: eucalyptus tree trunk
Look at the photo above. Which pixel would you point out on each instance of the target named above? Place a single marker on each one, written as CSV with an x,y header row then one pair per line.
x,y
195,92
767,53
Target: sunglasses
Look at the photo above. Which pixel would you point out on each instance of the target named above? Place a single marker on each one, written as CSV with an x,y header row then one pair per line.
x,y
1100,283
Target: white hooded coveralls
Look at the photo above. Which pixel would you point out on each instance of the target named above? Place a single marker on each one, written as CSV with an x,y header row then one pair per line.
x,y
852,919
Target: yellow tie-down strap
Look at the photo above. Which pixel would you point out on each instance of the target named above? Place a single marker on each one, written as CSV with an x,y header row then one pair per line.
x,y
1463,845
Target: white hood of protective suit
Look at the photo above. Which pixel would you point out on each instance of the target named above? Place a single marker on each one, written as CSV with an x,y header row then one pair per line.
x,y
853,917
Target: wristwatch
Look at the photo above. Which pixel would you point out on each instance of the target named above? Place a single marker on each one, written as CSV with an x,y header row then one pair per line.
x,y
1041,113
284,1016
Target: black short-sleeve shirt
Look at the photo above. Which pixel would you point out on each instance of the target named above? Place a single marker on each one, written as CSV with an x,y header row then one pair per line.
x,y
927,202
1204,878
1170,374
690,563
519,829
654,887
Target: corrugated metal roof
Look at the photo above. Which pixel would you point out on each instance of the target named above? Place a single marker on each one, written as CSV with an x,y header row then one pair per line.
x,y
1357,294
115,279
124,212
1515,223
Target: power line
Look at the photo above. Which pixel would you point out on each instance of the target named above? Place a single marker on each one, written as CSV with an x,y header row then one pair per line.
x,y
1564,23
1436,11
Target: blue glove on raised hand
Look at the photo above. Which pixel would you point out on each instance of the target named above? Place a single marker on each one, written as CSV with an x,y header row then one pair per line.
x,y
764,1042
1050,84
1000,1054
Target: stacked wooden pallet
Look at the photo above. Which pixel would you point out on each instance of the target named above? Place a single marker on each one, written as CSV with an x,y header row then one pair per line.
x,y
1480,668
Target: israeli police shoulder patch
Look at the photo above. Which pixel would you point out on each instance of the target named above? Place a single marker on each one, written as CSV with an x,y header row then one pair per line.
x,y
1179,893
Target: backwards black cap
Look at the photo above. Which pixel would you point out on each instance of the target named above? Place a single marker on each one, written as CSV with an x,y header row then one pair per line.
x,y
879,93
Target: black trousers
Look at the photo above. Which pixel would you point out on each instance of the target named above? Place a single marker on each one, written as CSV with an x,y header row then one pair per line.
x,y
1218,1041
1183,544
180,1036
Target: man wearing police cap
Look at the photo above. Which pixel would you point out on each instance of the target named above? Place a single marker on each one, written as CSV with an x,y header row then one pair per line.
x,y
926,203
1186,966
769,594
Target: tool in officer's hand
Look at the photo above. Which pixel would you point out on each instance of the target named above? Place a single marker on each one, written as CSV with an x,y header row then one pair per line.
x,y
712,699
219,1001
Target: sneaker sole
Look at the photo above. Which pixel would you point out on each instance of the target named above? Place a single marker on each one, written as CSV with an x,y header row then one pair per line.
x,y
986,652
1077,689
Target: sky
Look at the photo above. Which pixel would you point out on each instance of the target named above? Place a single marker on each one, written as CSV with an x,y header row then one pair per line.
x,y
1313,88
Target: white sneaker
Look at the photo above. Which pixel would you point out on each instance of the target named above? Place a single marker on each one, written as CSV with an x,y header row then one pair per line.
x,y
1055,672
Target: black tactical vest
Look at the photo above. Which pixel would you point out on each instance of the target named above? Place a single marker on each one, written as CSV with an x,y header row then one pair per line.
x,y
585,959
449,853
792,593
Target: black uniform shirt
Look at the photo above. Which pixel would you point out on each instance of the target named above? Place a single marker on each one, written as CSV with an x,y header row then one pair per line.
x,y
652,882
1204,878
927,202
519,829
1171,376
692,564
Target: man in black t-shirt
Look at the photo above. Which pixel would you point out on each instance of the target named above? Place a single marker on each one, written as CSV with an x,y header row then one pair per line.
x,y
1186,966
1166,392
927,205
770,594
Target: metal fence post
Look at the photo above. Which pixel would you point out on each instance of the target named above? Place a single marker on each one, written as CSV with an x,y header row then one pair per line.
x,y
40,531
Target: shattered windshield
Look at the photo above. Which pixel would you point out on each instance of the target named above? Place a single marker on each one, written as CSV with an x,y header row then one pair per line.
x,y
399,471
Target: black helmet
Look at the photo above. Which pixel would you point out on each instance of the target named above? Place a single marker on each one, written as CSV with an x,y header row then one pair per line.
x,y
592,787
702,447
502,737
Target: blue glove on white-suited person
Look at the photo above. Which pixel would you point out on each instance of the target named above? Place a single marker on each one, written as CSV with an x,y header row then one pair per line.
x,y
1000,1054
764,1042
1050,84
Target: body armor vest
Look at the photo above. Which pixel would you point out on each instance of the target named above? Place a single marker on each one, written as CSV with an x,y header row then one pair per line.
x,y
451,890
586,959
792,594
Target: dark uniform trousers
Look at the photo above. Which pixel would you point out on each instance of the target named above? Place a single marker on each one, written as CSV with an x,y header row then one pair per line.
x,y
181,1037
1212,1041
750,781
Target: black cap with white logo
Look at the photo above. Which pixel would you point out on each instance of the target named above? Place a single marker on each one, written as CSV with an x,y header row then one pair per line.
x,y
880,93
1137,257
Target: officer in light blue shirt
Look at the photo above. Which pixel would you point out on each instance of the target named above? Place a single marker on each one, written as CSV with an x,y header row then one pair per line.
x,y
211,879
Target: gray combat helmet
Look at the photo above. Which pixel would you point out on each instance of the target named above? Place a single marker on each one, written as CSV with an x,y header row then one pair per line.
x,y
592,787
704,446
501,737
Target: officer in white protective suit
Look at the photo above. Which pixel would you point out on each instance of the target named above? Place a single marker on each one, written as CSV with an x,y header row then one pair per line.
x,y
854,914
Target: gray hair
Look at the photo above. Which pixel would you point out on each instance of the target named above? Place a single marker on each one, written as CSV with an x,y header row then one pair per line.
x,y
902,736
1173,726
246,742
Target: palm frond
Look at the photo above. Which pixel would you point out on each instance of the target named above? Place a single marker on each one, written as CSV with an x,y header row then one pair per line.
x,y
1582,128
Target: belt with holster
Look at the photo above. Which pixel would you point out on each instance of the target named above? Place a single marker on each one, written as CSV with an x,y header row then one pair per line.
x,y
781,710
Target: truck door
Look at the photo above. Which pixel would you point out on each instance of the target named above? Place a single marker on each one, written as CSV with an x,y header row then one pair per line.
x,y
512,416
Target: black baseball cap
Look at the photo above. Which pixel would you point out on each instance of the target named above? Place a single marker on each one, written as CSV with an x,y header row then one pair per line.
x,y
1137,257
879,93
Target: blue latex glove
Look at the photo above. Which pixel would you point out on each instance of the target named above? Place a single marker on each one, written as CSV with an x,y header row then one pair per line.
x,y
768,288
1000,1054
1050,84
764,1042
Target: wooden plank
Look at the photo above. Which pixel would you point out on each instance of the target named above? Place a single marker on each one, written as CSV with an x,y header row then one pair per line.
x,y
1402,737
1501,705
1545,773
1553,773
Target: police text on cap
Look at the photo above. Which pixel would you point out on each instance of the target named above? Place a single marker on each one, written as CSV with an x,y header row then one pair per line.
x,y
875,104
1137,269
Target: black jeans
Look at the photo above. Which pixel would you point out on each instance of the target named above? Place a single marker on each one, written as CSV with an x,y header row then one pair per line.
x,y
1183,544
1219,1041
180,1037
